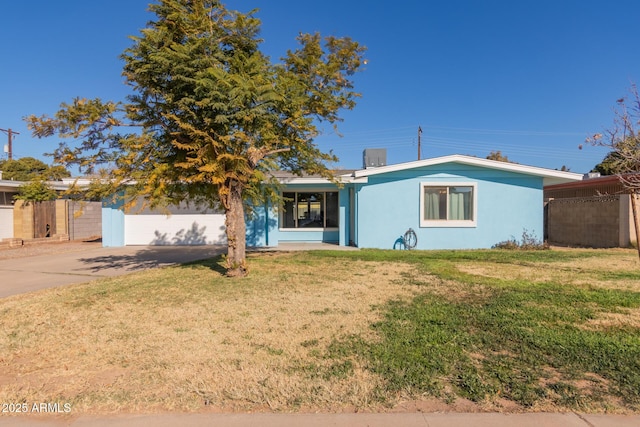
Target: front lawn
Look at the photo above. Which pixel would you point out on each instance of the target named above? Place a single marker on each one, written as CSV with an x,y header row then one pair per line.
x,y
337,331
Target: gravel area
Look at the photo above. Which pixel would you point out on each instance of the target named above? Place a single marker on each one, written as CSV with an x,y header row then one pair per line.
x,y
47,248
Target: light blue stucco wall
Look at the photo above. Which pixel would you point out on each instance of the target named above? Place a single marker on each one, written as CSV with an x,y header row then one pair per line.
x,y
389,204
262,224
507,203
112,224
275,235
343,197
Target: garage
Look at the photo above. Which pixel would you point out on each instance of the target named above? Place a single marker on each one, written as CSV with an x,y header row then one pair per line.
x,y
179,226
175,229
6,222
8,190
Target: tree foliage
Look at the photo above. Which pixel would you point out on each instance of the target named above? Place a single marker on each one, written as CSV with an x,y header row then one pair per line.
x,y
29,168
623,139
613,163
210,114
497,155
36,190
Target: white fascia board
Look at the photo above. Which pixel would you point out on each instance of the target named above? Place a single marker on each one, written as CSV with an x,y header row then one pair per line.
x,y
351,179
344,179
78,181
302,180
56,185
549,175
6,184
362,180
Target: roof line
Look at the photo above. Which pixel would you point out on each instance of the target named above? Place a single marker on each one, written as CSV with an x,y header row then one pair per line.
x,y
475,161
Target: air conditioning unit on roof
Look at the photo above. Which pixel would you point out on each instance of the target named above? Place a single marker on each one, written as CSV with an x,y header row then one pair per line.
x,y
374,157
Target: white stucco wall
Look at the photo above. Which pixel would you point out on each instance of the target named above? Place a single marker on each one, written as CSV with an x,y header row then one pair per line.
x,y
6,222
177,229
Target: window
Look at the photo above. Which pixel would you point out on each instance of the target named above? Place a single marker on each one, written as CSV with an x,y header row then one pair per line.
x,y
317,209
448,205
6,198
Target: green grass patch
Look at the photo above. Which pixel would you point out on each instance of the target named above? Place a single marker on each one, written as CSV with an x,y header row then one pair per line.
x,y
485,338
489,255
508,345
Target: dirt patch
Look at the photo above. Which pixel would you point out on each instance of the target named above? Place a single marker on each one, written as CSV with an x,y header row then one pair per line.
x,y
430,405
47,248
628,319
507,271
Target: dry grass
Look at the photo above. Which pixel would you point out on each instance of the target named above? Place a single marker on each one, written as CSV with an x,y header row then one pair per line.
x,y
184,338
600,272
188,339
575,272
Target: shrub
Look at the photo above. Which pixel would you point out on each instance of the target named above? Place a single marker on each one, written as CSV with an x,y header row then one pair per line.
x,y
528,241
36,190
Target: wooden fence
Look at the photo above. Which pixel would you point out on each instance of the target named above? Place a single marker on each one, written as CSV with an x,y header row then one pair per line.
x,y
44,219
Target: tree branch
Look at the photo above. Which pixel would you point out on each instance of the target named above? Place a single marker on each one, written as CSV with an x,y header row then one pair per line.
x,y
257,154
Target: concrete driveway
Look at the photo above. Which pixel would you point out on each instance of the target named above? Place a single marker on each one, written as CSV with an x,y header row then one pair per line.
x,y
31,273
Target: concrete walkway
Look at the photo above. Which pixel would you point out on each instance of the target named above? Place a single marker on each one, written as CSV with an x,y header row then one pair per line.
x,y
65,264
337,420
31,273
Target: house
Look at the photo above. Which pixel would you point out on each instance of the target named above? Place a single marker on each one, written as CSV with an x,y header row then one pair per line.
x,y
595,212
451,202
8,189
62,219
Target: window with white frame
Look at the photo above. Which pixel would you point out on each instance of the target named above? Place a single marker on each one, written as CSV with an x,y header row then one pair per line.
x,y
313,209
448,204
6,198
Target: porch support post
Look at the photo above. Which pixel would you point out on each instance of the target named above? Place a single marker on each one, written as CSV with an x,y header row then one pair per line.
x,y
343,219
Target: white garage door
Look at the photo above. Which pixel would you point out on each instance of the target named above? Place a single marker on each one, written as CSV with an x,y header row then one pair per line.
x,y
6,222
176,229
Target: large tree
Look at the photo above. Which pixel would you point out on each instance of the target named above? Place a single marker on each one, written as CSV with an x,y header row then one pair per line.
x,y
623,139
30,168
213,114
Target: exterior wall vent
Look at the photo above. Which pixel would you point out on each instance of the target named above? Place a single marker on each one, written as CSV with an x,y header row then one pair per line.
x,y
374,157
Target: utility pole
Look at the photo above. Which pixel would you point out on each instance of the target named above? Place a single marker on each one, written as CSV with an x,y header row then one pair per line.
x,y
419,141
10,133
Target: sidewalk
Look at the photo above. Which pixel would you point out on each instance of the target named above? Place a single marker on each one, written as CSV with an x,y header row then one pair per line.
x,y
337,420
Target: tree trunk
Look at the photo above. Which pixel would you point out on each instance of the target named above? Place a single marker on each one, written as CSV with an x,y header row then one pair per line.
x,y
236,232
636,219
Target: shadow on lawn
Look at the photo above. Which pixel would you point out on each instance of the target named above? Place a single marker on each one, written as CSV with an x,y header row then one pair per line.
x,y
153,257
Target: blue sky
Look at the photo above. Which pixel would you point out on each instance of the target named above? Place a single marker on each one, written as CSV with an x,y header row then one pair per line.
x,y
529,78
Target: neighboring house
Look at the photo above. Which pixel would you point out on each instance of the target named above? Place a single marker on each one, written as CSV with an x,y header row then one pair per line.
x,y
451,202
595,213
8,189
65,219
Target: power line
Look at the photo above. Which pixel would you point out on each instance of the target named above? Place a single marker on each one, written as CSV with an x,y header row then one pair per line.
x,y
463,130
507,131
396,135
